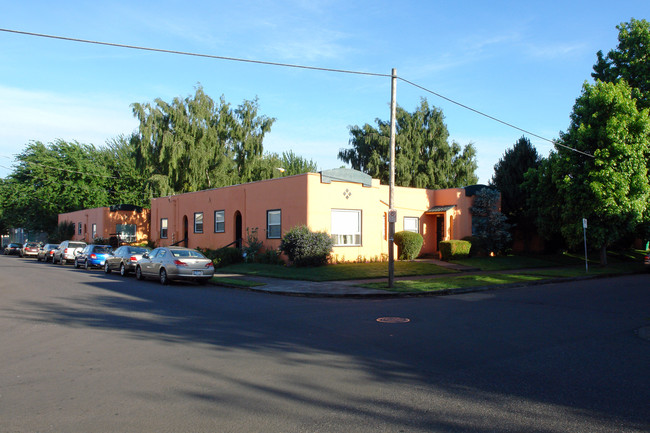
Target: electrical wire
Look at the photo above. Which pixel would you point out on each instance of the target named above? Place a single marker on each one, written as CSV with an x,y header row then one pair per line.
x,y
289,65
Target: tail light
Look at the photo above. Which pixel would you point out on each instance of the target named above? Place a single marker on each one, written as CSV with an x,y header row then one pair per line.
x,y
65,251
179,263
93,256
209,265
133,259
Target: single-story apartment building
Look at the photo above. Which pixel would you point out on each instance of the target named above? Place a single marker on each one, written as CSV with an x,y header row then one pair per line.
x,y
128,223
347,204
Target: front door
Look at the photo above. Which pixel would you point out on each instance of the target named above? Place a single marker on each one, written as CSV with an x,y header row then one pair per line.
x,y
440,230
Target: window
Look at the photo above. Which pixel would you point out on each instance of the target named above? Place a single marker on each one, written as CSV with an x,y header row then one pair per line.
x,y
273,224
163,228
346,227
94,230
126,232
412,224
79,229
198,222
219,221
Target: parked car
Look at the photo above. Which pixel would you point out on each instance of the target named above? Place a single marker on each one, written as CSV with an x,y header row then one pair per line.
x,y
30,249
174,263
646,261
93,256
67,251
13,248
45,252
124,258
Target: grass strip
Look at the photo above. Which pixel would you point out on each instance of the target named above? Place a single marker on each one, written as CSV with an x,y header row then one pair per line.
x,y
234,282
345,271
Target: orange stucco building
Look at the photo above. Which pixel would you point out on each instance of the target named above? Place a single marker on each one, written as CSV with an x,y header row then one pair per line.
x,y
347,204
128,223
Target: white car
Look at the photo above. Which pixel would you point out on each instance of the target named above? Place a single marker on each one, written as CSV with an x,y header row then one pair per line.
x,y
174,263
67,251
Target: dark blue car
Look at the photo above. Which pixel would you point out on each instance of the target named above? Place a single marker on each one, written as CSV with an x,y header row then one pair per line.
x,y
93,256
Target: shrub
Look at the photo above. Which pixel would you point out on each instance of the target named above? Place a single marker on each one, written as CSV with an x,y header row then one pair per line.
x,y
454,249
253,245
306,248
64,231
408,244
271,257
224,256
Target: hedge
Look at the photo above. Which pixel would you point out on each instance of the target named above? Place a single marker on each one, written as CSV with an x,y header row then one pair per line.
x,y
408,244
454,249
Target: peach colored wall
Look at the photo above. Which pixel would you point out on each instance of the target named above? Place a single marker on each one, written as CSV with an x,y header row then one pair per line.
x,y
106,222
252,201
303,199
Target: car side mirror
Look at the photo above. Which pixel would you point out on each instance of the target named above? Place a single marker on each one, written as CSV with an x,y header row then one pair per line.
x,y
145,255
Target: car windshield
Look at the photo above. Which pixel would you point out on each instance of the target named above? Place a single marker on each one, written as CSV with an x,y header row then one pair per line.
x,y
103,250
188,253
137,250
76,245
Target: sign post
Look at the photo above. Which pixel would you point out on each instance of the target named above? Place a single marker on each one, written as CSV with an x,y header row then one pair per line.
x,y
584,234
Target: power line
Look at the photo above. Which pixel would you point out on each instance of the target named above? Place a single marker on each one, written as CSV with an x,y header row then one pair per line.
x,y
289,65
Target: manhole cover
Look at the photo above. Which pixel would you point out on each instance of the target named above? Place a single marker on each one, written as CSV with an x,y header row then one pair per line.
x,y
393,320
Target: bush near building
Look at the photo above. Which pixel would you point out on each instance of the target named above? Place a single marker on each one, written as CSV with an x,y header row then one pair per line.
x,y
306,248
454,249
408,244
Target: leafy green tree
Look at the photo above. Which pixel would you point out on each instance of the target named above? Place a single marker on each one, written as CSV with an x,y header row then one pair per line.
x,y
630,60
423,156
127,184
194,143
611,189
55,178
294,164
508,178
489,226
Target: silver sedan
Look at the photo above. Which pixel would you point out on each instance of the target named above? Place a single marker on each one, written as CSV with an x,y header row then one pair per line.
x,y
174,263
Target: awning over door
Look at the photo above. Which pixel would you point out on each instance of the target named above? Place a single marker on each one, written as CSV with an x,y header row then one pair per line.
x,y
440,209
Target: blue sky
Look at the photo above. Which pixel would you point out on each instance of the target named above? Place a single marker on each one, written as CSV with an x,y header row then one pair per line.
x,y
522,62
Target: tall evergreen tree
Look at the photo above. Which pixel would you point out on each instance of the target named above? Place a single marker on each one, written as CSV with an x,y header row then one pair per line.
x,y
508,178
424,158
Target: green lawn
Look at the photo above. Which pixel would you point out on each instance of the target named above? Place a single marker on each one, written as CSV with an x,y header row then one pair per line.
x,y
497,278
346,271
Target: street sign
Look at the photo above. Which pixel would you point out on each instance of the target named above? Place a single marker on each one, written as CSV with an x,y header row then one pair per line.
x,y
392,216
584,223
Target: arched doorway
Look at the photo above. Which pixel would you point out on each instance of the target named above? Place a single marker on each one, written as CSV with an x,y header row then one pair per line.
x,y
238,229
185,231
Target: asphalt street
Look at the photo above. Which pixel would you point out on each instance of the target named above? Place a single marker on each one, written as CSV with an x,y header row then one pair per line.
x,y
81,351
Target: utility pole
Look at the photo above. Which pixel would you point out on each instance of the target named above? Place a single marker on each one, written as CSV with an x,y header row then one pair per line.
x,y
392,214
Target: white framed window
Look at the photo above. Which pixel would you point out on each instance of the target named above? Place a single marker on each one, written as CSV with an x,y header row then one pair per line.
x,y
274,224
412,224
94,230
346,227
79,229
219,221
126,232
198,222
163,228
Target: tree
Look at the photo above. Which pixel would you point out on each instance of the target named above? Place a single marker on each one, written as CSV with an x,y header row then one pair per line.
x,y
630,61
509,178
424,158
54,178
489,226
128,183
610,189
194,143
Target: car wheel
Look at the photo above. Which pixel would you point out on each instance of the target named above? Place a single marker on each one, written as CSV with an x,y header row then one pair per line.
x,y
138,273
62,261
76,264
86,265
163,277
123,270
107,269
